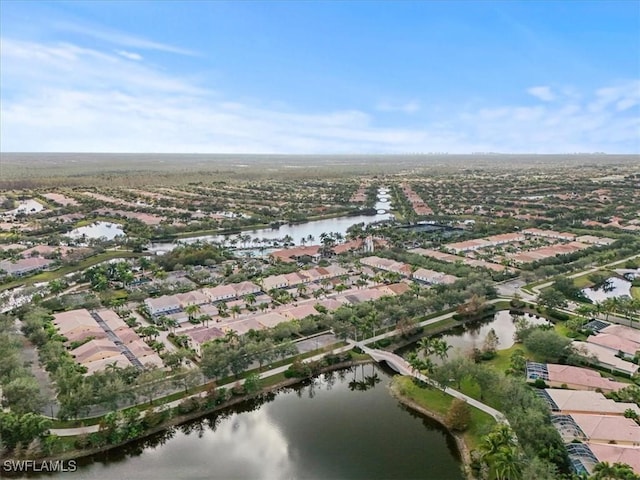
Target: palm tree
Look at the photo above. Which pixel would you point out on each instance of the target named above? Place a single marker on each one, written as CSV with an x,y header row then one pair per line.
x,y
157,347
603,471
426,345
192,310
162,321
231,337
501,454
204,319
441,348
112,367
250,299
506,464
172,324
235,310
585,312
148,331
609,306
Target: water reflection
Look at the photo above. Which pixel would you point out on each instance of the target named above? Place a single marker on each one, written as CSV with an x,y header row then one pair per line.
x,y
472,335
613,287
309,230
98,230
329,427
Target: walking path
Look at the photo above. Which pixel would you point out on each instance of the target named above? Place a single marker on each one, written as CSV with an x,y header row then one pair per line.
x,y
67,432
400,365
538,288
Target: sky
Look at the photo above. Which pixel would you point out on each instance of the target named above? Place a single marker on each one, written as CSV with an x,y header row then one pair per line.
x,y
315,77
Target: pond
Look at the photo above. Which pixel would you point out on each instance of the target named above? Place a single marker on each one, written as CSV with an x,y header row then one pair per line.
x,y
466,337
341,425
98,230
614,287
474,334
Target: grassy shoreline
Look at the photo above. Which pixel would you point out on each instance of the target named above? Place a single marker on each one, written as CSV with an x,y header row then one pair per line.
x,y
435,404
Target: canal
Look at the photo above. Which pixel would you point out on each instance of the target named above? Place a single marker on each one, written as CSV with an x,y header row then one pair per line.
x,y
343,425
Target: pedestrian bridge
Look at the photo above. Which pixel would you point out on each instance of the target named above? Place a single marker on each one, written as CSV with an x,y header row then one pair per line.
x,y
400,365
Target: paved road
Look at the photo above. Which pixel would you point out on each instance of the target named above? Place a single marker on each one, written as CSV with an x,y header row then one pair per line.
x,y
540,287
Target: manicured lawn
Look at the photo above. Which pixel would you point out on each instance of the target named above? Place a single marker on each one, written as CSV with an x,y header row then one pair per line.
x,y
439,402
430,398
438,327
84,223
113,295
635,292
502,360
583,280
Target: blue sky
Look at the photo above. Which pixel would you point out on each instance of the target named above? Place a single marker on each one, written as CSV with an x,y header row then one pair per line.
x,y
320,77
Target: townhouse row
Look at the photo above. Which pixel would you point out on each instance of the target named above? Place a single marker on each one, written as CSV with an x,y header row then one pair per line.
x,y
105,340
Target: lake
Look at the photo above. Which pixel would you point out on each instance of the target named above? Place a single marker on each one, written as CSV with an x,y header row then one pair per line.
x,y
98,230
296,231
616,287
327,429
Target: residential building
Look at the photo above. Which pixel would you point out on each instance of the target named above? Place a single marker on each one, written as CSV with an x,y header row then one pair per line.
x,y
597,428
24,266
612,453
200,335
605,357
221,292
569,402
78,325
163,305
567,376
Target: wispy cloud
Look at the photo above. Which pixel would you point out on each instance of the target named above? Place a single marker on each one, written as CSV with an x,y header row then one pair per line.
x,y
622,97
543,93
130,55
65,97
119,38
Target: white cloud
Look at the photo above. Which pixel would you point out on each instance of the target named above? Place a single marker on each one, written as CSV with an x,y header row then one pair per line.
x,y
119,38
624,96
543,93
129,55
64,97
412,106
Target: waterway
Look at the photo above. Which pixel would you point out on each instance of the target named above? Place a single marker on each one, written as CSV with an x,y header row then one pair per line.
x,y
309,231
343,425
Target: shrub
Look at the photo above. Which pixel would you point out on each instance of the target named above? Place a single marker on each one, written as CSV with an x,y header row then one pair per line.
x,y
188,405
458,416
540,383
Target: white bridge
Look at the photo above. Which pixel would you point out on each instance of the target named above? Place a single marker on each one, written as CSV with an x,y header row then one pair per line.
x,y
401,366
